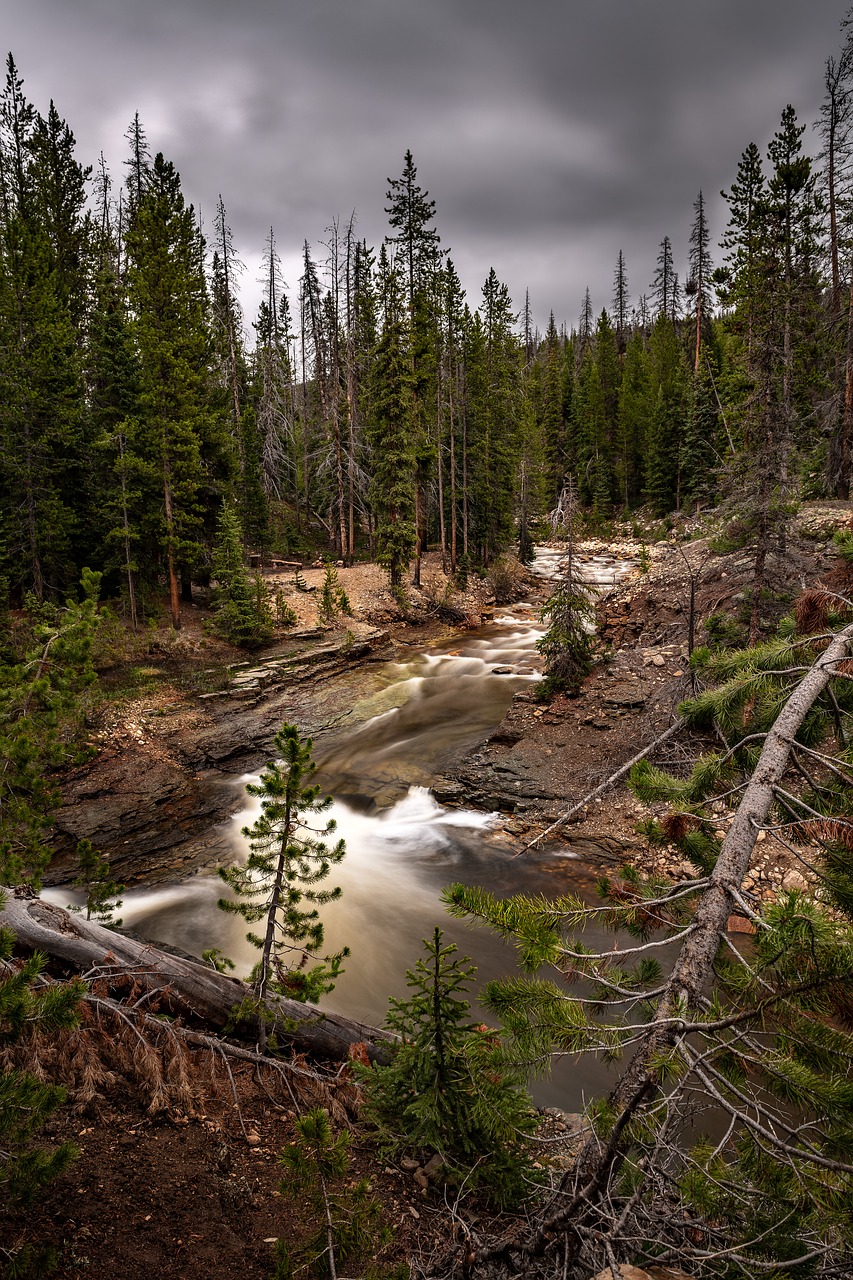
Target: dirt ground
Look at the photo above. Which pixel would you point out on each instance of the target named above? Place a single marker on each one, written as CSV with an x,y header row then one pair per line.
x,y
188,1197
203,1195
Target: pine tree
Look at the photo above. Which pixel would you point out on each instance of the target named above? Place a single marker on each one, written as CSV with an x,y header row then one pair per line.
x,y
123,482
665,288
589,412
410,212
43,487
318,1172
699,283
634,418
42,726
669,398
26,1101
567,645
494,442
272,385
181,440
621,303
102,892
286,862
392,492
449,1088
552,415
241,612
741,241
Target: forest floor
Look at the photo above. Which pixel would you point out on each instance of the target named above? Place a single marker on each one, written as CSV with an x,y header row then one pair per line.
x,y
196,1194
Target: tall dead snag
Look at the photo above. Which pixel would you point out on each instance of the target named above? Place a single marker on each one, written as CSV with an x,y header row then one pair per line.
x,y
750,1044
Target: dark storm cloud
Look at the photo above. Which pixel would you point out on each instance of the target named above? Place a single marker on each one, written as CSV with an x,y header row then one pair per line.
x,y
550,134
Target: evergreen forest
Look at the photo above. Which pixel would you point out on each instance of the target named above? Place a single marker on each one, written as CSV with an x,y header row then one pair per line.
x,y
377,410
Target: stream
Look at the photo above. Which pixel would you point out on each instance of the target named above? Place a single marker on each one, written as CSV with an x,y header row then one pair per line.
x,y
445,698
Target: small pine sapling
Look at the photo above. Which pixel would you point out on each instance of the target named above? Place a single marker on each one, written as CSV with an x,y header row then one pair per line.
x,y
333,599
287,861
450,1087
346,1215
241,613
567,645
285,616
102,892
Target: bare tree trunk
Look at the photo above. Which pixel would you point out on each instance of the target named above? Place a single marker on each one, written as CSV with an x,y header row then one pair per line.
x,y
439,447
187,988
174,591
842,485
464,484
416,577
452,430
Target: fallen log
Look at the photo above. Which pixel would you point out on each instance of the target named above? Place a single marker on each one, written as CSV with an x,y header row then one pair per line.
x,y
186,989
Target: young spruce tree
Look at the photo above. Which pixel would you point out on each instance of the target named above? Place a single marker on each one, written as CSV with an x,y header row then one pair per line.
x,y
449,1088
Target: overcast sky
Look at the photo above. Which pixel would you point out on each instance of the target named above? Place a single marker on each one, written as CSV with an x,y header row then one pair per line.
x,y
551,133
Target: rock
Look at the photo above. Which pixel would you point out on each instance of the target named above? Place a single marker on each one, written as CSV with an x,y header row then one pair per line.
x,y
625,695
433,1167
658,661
408,1164
794,880
739,924
421,1180
253,1138
502,671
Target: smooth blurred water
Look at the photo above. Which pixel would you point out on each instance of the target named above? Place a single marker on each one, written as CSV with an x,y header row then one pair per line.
x,y
402,846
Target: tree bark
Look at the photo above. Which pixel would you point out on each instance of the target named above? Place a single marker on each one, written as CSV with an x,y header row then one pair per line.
x,y
187,989
693,969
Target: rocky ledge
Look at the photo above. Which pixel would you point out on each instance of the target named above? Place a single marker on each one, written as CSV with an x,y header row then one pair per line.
x,y
166,774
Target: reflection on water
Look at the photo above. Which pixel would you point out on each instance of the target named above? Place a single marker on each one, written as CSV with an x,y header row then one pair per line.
x,y
401,854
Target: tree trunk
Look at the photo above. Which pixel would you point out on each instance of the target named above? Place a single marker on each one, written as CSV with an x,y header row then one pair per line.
x,y
187,988
842,485
452,434
693,969
174,592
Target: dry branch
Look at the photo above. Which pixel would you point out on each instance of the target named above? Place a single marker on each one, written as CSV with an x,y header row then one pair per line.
x,y
620,773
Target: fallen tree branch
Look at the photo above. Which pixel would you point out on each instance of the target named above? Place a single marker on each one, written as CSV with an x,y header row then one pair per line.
x,y
620,773
693,968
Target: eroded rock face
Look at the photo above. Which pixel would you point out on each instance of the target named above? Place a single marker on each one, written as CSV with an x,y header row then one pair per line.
x,y
153,796
141,811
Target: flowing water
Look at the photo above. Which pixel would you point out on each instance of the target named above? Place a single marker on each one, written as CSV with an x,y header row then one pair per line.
x,y
403,851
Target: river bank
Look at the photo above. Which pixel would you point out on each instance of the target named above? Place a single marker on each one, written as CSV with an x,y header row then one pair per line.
x,y
168,771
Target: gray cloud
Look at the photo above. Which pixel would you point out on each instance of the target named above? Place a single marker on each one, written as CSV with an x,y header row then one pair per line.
x,y
550,135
